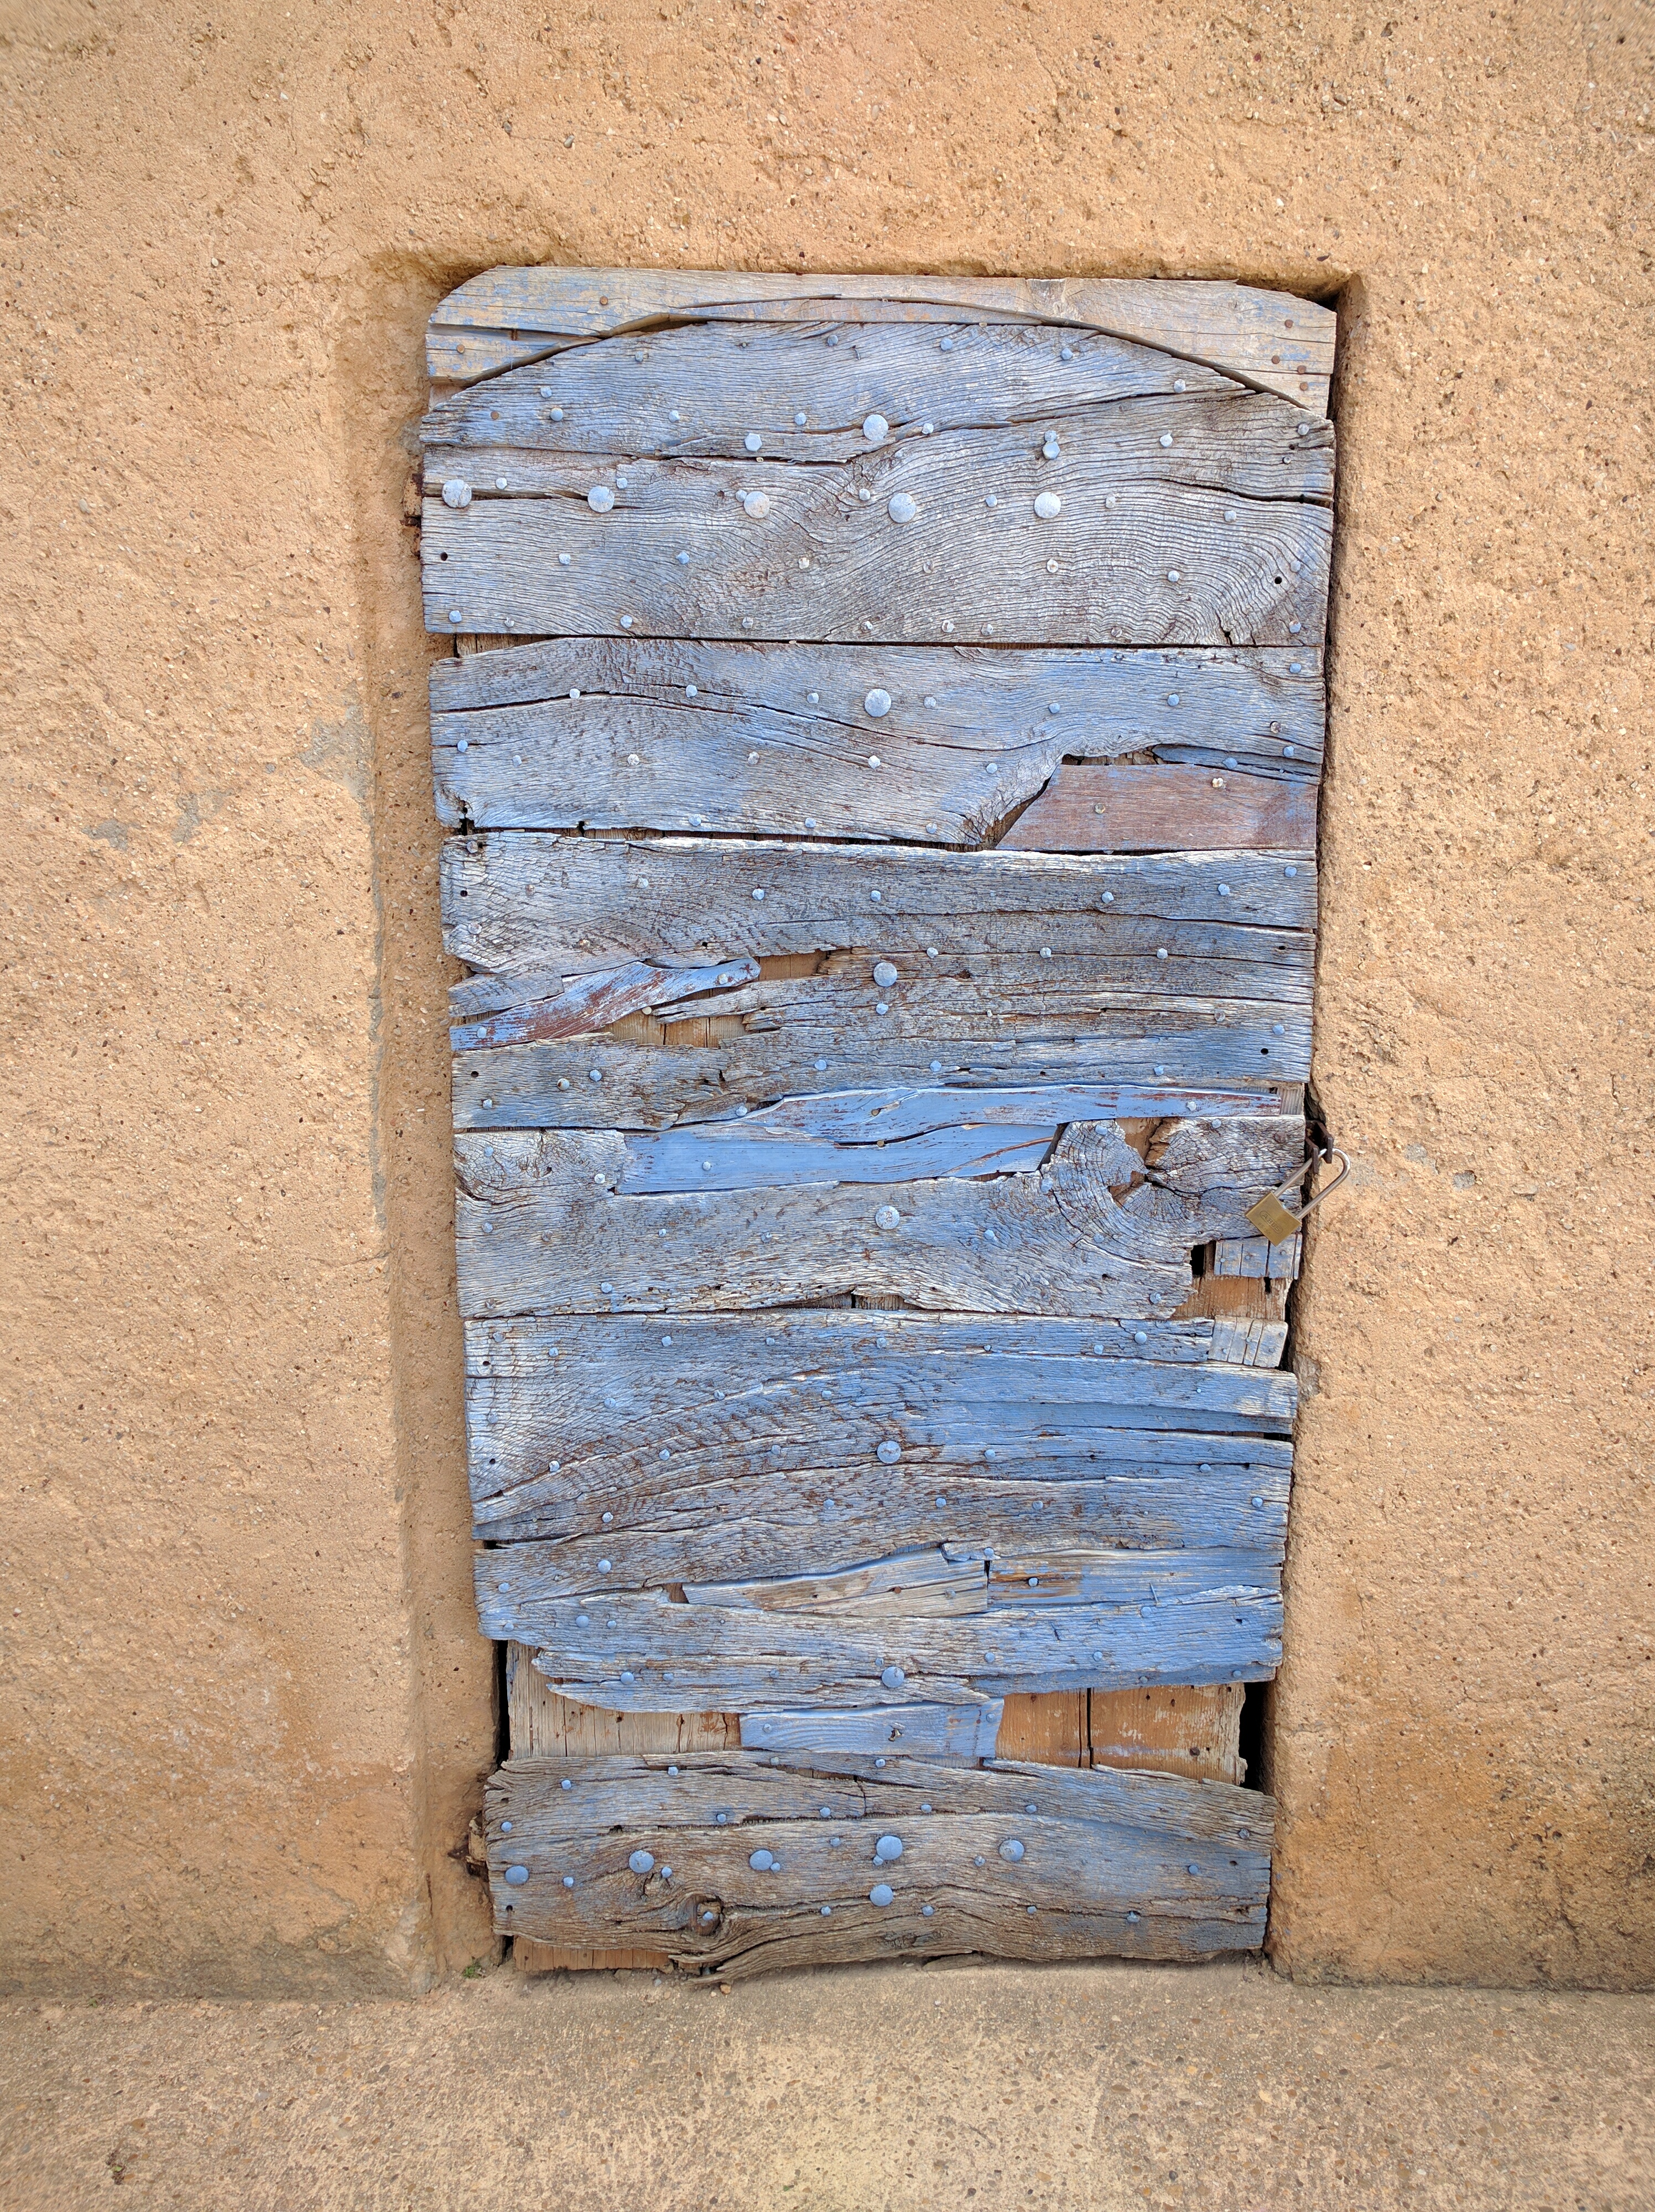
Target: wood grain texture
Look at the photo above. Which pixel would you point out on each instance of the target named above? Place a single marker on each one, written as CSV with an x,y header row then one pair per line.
x,y
774,741
1177,1730
520,899
907,1582
1163,808
763,1511
1172,1618
1270,339
705,390
1099,1230
606,1084
682,1442
965,1732
1220,537
543,1725
1147,1865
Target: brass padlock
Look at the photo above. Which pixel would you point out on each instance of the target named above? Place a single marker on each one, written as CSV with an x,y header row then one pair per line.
x,y
1272,1216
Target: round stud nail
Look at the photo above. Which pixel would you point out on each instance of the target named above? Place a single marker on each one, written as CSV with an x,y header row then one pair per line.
x,y
755,504
901,508
886,1217
517,1875
1048,506
874,427
881,1893
876,702
600,499
1011,1849
456,492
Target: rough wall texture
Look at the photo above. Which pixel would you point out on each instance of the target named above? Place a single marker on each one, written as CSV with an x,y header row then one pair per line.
x,y
245,1709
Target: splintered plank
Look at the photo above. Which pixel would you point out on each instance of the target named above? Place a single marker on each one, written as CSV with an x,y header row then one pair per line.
x,y
1155,809
762,1509
543,1725
697,1452
1200,521
530,901
1098,1231
607,1085
1273,340
734,1863
1174,1618
609,733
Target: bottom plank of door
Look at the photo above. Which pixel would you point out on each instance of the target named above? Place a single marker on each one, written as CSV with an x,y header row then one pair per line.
x,y
736,1863
1193,1732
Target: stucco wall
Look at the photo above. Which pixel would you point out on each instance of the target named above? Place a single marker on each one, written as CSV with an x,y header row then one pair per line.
x,y
244,1707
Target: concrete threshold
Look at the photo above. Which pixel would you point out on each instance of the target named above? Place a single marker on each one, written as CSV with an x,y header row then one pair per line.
x,y
874,2090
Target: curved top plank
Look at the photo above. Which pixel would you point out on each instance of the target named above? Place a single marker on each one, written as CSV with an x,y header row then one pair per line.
x,y
1271,340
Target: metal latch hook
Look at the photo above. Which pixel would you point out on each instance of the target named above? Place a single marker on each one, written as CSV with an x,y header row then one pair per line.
x,y
1272,1216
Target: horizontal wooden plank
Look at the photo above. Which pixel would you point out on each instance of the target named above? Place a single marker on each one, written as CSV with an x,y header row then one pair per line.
x,y
1095,1232
1174,1617
713,1353
529,1583
1268,338
969,1732
1152,809
890,1136
901,1398
530,899
601,1084
764,1508
1203,520
704,390
1014,1859
674,1791
613,734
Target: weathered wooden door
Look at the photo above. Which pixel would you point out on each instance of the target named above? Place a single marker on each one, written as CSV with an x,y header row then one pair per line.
x,y
886,874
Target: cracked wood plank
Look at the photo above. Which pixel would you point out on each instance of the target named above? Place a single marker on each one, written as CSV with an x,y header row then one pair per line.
x,y
1144,809
1274,340
1174,1618
541,1725
611,733
705,392
920,1406
528,899
1143,1864
604,1084
816,1503
1095,1232
1203,520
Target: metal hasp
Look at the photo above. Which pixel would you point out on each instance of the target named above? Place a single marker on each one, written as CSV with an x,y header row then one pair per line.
x,y
880,739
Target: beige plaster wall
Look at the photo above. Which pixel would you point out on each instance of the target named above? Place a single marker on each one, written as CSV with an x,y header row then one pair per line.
x,y
244,1707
